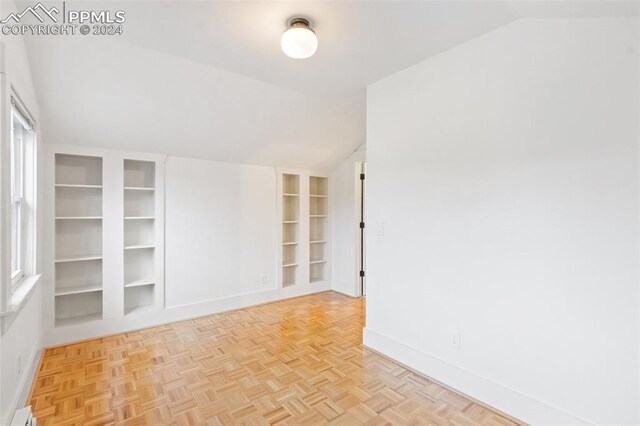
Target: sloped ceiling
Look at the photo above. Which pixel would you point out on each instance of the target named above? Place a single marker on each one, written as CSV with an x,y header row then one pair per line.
x,y
208,80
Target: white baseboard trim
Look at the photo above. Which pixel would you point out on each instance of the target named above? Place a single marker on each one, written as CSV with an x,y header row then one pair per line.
x,y
344,294
476,387
104,327
20,398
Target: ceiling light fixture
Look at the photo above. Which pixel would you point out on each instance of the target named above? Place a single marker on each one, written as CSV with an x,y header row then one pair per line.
x,y
299,41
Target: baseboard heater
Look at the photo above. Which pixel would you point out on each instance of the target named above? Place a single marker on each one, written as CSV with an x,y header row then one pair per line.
x,y
23,417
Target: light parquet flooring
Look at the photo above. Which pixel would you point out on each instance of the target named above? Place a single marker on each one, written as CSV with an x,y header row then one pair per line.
x,y
298,361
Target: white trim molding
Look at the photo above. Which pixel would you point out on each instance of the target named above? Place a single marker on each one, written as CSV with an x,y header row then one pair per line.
x,y
29,375
486,391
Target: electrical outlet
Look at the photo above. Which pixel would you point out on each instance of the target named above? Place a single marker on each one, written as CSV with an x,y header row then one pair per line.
x,y
454,339
263,279
19,364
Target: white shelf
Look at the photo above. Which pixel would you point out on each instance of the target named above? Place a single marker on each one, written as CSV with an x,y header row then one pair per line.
x,y
66,291
78,217
138,309
318,242
139,218
140,247
140,282
81,319
318,196
138,188
317,215
289,265
74,185
292,243
78,258
290,221
290,195
315,262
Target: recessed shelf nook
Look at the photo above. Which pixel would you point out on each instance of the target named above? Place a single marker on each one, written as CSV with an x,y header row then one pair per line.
x,y
318,228
139,233
290,228
78,238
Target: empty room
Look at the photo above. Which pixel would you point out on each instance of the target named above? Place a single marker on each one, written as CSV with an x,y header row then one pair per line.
x,y
319,212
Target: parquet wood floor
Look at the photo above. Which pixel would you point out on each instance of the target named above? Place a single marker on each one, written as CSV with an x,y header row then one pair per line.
x,y
295,362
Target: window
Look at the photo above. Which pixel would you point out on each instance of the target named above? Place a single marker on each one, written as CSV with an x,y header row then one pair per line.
x,y
22,195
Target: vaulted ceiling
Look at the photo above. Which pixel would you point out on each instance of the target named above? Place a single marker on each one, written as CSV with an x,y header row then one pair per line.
x,y
208,80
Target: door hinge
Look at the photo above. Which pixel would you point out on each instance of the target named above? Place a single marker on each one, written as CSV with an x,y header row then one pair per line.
x,y
362,273
361,176
361,225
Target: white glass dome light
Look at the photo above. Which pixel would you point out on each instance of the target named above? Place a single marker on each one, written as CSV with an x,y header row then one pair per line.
x,y
299,41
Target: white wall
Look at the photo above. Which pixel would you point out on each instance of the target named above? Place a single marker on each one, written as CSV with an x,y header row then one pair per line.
x,y
23,338
221,232
345,221
21,331
506,174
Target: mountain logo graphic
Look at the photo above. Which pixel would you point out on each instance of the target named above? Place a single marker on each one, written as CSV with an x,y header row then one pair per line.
x,y
36,11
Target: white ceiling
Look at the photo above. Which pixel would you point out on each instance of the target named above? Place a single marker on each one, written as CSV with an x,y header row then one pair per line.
x,y
208,80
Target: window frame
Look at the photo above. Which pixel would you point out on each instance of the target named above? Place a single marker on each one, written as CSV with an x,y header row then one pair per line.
x,y
20,248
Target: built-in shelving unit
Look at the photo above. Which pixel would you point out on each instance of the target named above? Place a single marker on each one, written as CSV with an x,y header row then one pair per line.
x,y
304,210
139,235
290,228
104,239
318,228
78,239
